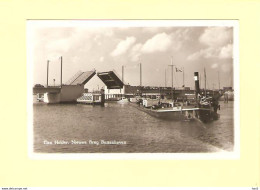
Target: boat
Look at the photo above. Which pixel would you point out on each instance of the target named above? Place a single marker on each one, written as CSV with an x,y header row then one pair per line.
x,y
91,98
179,111
123,100
133,99
202,108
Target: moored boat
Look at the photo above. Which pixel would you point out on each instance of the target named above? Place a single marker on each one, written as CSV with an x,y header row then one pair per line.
x,y
203,108
123,100
91,98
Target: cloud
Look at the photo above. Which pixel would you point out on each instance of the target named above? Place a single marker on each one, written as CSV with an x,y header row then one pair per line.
x,y
158,43
123,46
214,66
221,53
62,41
216,36
218,42
136,52
161,42
226,51
205,53
101,59
61,45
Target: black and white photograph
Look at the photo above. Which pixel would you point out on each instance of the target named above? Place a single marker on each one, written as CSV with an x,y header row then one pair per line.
x,y
133,86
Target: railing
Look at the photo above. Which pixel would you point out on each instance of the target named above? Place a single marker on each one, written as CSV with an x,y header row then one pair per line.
x,y
81,78
72,79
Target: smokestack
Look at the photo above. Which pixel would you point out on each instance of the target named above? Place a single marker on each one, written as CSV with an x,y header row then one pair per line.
x,y
197,83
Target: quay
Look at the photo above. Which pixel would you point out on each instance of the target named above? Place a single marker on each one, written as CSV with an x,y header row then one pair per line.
x,y
115,89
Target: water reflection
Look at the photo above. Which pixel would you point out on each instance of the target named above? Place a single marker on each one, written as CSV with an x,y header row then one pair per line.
x,y
121,122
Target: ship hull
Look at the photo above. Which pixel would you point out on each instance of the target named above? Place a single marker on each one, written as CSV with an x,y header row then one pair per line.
x,y
179,113
167,113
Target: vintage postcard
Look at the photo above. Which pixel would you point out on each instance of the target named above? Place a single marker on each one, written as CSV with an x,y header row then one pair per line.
x,y
126,89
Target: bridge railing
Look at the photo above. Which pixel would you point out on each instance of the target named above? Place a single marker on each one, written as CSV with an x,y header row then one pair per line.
x,y
72,79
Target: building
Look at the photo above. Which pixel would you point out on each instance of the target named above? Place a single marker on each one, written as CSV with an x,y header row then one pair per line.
x,y
153,92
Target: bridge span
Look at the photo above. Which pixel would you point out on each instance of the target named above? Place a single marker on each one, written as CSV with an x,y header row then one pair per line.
x,y
50,89
72,89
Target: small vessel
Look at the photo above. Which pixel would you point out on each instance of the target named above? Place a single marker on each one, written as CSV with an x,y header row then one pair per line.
x,y
133,99
91,98
123,100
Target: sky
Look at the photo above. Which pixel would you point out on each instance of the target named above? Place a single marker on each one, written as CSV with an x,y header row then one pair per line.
x,y
110,48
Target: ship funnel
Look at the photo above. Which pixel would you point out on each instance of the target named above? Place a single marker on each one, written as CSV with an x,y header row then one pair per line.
x,y
197,83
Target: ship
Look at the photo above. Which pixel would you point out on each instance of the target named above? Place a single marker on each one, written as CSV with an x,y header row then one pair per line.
x,y
123,100
202,108
94,98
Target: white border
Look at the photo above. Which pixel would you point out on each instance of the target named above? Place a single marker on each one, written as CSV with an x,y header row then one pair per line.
x,y
140,188
33,24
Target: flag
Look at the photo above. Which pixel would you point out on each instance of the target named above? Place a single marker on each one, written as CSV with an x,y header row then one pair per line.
x,y
178,70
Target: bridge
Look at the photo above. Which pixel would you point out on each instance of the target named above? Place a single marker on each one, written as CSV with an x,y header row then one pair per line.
x,y
111,80
50,89
80,78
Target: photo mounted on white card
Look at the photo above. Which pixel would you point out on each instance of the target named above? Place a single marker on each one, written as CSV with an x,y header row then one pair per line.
x,y
133,89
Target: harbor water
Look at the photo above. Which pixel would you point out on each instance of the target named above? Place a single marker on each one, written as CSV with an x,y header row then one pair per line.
x,y
121,128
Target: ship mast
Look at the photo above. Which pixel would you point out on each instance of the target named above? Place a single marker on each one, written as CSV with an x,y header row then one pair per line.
x,y
205,78
48,73
165,79
140,77
140,73
172,78
218,82
183,77
199,79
